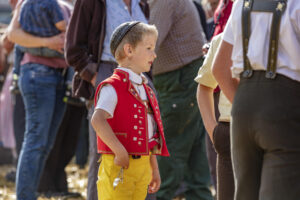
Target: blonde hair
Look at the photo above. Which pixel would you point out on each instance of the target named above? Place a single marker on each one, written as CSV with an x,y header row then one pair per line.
x,y
133,37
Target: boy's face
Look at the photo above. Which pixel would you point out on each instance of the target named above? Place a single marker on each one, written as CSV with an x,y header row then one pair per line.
x,y
143,55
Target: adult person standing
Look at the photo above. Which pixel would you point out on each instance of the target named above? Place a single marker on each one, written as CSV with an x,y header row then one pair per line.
x,y
179,56
221,15
211,6
264,74
42,87
217,126
88,51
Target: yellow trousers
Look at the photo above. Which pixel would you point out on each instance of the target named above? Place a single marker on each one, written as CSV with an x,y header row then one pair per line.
x,y
135,179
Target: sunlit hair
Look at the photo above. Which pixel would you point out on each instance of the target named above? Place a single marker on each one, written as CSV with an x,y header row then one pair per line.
x,y
133,37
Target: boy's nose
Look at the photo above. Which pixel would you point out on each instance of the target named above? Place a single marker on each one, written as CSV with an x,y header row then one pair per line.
x,y
154,54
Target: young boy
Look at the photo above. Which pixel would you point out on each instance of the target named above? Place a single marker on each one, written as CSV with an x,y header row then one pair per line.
x,y
127,118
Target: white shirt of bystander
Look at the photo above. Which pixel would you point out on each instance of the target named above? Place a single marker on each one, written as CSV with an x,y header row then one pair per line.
x,y
288,46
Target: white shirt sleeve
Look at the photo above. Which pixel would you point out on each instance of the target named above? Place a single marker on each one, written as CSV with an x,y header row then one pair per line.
x,y
108,99
228,32
296,20
228,35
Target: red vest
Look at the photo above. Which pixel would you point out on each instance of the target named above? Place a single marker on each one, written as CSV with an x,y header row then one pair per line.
x,y
130,122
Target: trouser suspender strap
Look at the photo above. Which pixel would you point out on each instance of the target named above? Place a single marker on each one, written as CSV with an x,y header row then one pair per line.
x,y
246,26
273,46
277,8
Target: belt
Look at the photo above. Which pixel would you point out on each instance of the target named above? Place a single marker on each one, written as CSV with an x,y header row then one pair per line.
x,y
62,71
135,156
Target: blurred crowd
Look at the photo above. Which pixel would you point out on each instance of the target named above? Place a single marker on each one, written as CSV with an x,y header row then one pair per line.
x,y
54,53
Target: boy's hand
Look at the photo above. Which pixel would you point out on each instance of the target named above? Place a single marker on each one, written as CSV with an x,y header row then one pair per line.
x,y
122,159
155,182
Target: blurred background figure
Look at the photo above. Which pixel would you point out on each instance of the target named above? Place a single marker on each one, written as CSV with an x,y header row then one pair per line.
x,y
41,85
210,7
222,10
7,141
179,56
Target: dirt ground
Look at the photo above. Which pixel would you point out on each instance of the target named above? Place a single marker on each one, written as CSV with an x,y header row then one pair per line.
x,y
77,182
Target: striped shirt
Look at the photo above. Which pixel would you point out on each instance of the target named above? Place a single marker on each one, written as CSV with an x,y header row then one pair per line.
x,y
113,20
38,17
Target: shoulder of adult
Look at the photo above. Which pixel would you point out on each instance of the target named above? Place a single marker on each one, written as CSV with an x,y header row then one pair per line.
x,y
66,4
164,3
163,8
87,3
181,8
237,3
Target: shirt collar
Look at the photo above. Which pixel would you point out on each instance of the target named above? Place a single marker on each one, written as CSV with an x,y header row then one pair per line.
x,y
134,77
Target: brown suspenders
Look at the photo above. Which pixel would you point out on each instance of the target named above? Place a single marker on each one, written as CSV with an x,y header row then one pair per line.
x,y
276,7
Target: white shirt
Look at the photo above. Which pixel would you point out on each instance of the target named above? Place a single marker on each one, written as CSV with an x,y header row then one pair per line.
x,y
108,98
288,60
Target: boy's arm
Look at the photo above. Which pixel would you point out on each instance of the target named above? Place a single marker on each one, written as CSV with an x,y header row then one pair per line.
x,y
61,25
104,131
18,36
156,181
206,106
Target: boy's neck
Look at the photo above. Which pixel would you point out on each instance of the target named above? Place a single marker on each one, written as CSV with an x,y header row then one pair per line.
x,y
126,65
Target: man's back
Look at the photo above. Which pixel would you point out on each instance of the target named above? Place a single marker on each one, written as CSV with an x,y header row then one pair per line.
x,y
288,44
180,37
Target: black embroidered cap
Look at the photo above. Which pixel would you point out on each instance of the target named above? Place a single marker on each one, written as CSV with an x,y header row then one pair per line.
x,y
119,33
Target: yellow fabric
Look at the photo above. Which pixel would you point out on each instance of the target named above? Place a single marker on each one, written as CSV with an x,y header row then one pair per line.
x,y
135,182
205,77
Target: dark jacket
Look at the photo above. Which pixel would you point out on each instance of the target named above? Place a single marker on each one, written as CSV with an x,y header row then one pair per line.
x,y
84,42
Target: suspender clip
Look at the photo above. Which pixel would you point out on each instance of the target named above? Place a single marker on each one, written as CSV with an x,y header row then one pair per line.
x,y
270,74
247,73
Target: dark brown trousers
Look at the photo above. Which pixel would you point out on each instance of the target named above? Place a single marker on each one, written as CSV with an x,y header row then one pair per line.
x,y
266,138
225,182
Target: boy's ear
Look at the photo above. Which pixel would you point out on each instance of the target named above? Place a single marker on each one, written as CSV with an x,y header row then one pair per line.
x,y
127,50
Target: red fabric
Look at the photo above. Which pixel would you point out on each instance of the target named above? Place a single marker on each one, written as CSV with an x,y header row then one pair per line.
x,y
221,23
130,122
225,13
154,142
